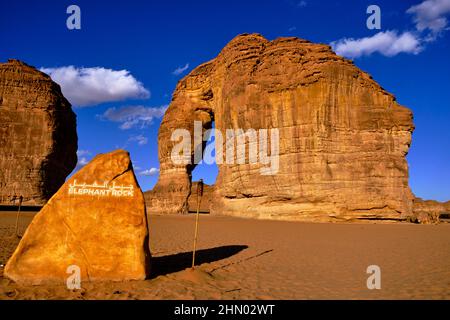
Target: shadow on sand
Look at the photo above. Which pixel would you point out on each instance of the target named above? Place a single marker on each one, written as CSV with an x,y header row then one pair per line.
x,y
180,261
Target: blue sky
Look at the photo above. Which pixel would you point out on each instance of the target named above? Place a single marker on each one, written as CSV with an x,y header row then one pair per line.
x,y
158,42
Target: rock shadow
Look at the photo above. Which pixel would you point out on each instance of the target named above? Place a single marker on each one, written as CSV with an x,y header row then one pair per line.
x,y
177,262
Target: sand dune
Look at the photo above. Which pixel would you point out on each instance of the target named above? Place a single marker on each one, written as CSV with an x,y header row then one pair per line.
x,y
255,259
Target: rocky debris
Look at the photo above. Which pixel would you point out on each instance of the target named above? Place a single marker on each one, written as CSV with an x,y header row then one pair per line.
x,y
430,211
95,222
38,135
174,195
342,138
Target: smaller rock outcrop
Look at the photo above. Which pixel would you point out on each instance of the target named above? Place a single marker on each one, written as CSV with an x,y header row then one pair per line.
x,y
429,211
96,222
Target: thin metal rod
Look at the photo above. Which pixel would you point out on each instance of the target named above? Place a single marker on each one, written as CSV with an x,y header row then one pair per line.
x,y
17,217
199,196
196,232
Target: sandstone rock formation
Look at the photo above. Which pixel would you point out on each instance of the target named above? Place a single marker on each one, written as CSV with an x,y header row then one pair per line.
x,y
342,138
37,134
96,221
206,199
429,211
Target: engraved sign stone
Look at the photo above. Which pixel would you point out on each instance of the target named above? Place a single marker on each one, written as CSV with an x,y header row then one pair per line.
x,y
102,190
96,221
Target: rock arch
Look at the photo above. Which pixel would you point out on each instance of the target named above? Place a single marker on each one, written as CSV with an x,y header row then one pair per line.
x,y
343,138
192,101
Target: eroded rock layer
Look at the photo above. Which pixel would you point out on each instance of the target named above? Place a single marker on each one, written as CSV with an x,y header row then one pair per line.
x,y
342,138
38,136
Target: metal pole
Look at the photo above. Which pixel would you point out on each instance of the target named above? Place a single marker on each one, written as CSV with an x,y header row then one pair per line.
x,y
17,216
199,195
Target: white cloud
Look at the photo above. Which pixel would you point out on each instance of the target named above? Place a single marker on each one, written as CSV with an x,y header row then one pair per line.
x,y
430,16
301,4
82,157
149,172
180,70
136,167
81,153
140,139
430,19
388,43
92,86
82,161
132,116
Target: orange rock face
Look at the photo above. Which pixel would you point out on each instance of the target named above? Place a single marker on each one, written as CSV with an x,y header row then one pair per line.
x,y
429,211
38,135
205,200
95,222
342,138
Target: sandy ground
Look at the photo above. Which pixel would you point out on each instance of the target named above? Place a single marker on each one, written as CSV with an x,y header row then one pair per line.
x,y
255,259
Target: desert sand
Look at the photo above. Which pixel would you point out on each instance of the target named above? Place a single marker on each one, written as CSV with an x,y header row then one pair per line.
x,y
258,259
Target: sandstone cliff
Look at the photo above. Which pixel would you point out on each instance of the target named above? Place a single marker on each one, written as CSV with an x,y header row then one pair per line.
x,y
38,136
342,138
